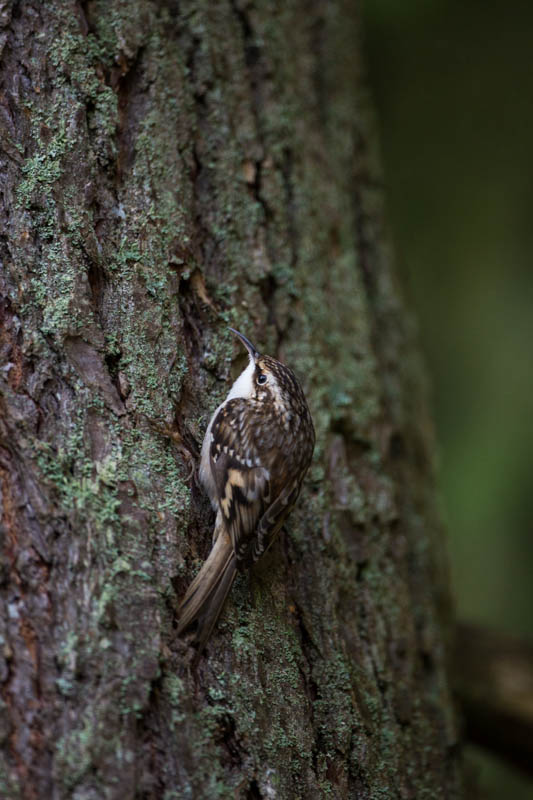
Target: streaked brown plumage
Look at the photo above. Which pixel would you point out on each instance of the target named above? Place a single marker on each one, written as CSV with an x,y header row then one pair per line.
x,y
256,451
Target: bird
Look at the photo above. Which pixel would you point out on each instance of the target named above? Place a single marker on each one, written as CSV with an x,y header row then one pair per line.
x,y
256,451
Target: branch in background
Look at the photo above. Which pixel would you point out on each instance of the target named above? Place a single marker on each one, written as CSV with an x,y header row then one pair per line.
x,y
493,675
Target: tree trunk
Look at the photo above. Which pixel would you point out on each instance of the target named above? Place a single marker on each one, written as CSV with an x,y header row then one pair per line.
x,y
169,169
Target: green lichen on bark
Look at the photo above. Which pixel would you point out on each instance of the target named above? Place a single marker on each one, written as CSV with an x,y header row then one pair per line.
x,y
179,170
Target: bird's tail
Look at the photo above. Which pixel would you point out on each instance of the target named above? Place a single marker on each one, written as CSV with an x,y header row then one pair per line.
x,y
206,595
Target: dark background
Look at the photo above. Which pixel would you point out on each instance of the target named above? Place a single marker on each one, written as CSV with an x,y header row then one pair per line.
x,y
453,87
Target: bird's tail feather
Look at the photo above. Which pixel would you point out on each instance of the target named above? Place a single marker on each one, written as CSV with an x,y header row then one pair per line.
x,y
206,595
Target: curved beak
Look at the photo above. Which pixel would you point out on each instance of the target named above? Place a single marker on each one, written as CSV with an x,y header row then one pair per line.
x,y
247,343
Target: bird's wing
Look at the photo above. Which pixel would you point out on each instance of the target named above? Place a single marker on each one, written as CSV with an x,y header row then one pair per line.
x,y
272,520
243,483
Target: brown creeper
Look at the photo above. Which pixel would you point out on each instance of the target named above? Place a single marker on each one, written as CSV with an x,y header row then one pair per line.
x,y
256,451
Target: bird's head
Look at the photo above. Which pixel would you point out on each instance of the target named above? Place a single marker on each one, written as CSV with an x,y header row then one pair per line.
x,y
267,380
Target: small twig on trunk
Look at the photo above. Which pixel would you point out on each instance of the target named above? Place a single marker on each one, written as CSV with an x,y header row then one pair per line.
x,y
493,675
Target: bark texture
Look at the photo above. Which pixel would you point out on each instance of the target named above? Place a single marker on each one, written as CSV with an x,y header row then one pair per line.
x,y
168,169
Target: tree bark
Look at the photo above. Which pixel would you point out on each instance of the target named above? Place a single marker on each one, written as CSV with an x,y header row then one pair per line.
x,y
169,169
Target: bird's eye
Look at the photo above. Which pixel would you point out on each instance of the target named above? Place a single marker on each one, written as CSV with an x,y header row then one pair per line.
x,y
261,378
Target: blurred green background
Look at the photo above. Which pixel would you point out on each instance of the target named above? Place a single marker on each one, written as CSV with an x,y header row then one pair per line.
x,y
453,86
